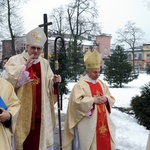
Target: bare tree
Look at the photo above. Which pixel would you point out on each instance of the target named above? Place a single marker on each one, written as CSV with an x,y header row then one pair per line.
x,y
83,22
10,20
147,2
58,17
79,19
82,18
131,35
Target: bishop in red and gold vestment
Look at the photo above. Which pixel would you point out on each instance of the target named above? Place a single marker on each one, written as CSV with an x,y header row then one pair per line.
x,y
88,125
33,80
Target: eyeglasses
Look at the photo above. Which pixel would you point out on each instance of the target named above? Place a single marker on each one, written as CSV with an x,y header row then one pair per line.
x,y
96,72
34,48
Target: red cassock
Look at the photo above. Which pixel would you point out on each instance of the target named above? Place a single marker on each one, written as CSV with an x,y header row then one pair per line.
x,y
32,140
102,130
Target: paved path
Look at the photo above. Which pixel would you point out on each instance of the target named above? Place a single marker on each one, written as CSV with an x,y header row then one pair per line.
x,y
56,131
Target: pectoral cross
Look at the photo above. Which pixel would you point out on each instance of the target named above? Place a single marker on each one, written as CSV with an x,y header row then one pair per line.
x,y
36,80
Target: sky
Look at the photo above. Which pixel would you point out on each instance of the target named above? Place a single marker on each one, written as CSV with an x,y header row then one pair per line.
x,y
129,134
113,14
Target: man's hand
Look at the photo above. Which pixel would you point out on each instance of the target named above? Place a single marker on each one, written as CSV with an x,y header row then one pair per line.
x,y
100,99
56,78
30,61
4,116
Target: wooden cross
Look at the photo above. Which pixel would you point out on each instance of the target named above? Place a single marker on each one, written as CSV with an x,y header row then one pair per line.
x,y
45,25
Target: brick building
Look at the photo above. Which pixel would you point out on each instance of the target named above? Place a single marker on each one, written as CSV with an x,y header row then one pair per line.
x,y
101,43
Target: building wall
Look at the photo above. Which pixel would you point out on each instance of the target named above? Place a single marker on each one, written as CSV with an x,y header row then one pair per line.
x,y
0,56
146,54
102,45
6,48
0,52
141,56
103,42
20,44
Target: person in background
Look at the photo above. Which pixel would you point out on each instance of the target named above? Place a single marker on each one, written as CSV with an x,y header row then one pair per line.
x,y
88,125
3,64
148,143
9,109
34,81
5,60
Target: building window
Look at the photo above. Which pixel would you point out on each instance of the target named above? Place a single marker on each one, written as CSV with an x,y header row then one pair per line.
x,y
23,46
129,56
140,56
148,46
135,56
86,49
105,52
148,56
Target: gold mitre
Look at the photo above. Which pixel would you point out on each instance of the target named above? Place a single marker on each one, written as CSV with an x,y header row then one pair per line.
x,y
36,37
92,59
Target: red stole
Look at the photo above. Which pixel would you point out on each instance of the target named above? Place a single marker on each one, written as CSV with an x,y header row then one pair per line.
x,y
102,130
32,140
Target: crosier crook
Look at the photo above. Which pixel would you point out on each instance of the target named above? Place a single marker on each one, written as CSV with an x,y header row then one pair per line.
x,y
57,84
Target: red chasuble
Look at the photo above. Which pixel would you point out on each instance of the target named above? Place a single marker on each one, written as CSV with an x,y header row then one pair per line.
x,y
32,140
102,131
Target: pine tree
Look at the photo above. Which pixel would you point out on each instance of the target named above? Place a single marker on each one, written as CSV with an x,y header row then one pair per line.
x,y
141,106
75,56
63,71
117,70
148,69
